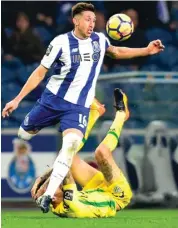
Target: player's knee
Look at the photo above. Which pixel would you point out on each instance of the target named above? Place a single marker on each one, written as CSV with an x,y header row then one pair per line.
x,y
71,142
25,135
102,152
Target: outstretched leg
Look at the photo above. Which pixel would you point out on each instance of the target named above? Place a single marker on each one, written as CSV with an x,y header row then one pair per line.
x,y
103,153
116,181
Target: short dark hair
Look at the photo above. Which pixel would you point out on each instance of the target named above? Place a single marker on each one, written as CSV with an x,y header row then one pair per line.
x,y
82,6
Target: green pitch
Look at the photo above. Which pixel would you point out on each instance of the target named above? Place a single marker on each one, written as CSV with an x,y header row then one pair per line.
x,y
125,218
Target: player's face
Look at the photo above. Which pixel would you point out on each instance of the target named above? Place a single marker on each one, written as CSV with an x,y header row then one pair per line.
x,y
86,23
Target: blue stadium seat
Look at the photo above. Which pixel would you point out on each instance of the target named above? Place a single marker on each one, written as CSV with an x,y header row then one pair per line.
x,y
154,111
133,90
119,68
169,57
44,34
146,112
174,110
8,31
14,64
7,75
9,91
166,92
133,107
135,123
9,123
176,37
159,33
175,68
150,67
24,72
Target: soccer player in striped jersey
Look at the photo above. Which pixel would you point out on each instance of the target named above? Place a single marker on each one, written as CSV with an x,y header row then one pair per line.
x,y
104,192
76,58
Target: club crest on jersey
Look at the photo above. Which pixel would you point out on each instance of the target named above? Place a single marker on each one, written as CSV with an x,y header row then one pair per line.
x,y
117,189
96,56
96,46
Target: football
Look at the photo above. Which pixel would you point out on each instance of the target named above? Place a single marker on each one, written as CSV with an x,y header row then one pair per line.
x,y
119,27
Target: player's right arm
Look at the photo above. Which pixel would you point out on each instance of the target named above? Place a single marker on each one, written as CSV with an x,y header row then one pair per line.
x,y
153,48
52,53
33,81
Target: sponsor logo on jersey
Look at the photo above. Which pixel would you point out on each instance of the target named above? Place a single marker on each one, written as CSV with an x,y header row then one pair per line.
x,y
74,50
76,58
68,195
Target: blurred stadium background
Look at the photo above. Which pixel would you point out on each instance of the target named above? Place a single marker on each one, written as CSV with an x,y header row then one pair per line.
x,y
148,148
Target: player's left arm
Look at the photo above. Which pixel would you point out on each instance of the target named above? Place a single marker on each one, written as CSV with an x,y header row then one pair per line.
x,y
153,47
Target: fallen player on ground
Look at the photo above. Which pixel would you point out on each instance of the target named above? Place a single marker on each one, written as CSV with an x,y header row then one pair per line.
x,y
104,192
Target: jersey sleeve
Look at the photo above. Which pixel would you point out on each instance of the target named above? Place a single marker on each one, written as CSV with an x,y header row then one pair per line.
x,y
107,43
53,52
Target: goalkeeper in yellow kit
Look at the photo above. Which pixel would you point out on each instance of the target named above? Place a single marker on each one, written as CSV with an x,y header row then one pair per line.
x,y
106,190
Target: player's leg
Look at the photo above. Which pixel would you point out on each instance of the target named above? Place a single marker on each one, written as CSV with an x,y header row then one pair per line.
x,y
73,122
71,141
79,166
83,173
103,153
96,110
96,178
114,177
27,129
38,118
26,135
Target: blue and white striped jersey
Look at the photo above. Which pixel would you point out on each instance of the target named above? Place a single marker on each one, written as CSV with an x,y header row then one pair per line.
x,y
76,65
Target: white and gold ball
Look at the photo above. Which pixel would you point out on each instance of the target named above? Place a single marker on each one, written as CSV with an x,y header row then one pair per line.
x,y
120,27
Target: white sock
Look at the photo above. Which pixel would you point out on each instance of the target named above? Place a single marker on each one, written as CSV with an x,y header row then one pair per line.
x,y
63,162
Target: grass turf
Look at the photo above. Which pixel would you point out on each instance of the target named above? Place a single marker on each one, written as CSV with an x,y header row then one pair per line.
x,y
126,218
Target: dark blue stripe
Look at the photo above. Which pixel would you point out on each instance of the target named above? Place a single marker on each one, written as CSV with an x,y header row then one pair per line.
x,y
73,43
40,143
57,63
106,44
83,95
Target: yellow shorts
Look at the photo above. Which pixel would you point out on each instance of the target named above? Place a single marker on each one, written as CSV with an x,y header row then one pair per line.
x,y
120,189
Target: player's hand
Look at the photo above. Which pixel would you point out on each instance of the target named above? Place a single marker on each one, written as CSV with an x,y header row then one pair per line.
x,y
36,187
155,47
9,108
